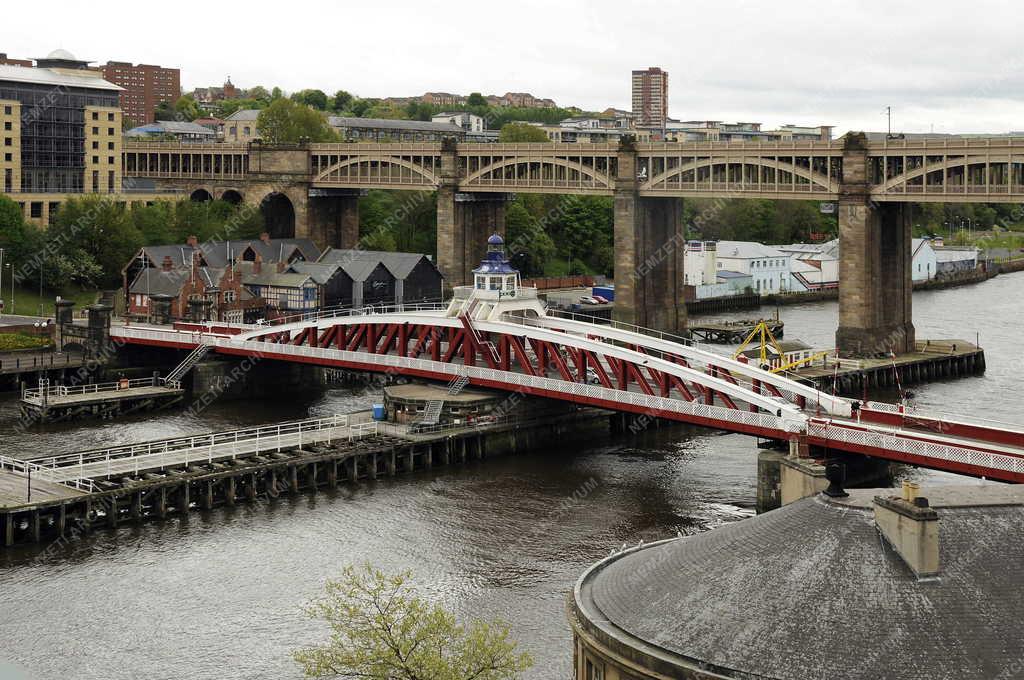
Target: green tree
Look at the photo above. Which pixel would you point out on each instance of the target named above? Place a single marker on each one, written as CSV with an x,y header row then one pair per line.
x,y
285,121
475,99
96,229
259,93
276,93
521,132
316,99
165,111
382,630
359,107
529,246
341,101
187,108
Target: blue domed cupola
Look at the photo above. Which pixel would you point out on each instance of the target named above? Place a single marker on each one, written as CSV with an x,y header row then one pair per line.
x,y
494,272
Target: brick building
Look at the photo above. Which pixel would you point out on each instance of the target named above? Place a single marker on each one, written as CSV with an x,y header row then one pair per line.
x,y
145,86
650,97
5,60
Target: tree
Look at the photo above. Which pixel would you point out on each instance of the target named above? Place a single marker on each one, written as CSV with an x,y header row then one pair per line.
x,y
276,93
314,98
93,230
259,93
288,122
521,132
187,108
165,111
341,101
475,99
381,629
529,246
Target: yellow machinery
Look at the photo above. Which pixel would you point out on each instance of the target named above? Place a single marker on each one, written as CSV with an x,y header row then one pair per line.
x,y
765,338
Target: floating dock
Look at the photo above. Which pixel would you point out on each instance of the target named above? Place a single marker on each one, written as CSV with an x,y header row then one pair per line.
x,y
733,332
54,403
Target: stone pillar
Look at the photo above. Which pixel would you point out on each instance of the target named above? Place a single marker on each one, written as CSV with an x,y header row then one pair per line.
x,y
63,315
160,309
334,217
875,266
99,327
650,241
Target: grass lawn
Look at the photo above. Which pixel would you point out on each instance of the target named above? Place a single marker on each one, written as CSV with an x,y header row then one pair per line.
x,y
15,341
27,300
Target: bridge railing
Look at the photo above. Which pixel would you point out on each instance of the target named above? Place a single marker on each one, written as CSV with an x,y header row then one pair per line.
x,y
32,470
915,447
510,380
133,458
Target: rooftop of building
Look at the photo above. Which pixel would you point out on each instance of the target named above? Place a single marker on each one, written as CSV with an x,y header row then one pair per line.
x,y
399,264
729,274
813,591
390,124
747,250
244,114
171,127
86,79
219,253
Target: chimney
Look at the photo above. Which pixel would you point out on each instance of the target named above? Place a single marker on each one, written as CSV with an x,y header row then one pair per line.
x,y
265,237
911,527
192,241
257,264
281,267
167,264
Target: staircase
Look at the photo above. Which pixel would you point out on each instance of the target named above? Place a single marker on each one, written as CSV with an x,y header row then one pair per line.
x,y
186,365
485,346
432,412
456,385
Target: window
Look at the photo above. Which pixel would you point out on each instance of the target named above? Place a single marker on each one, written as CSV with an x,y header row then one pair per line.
x,y
95,115
246,130
7,157
110,117
110,131
110,146
7,125
7,141
229,296
96,145
95,130
95,180
95,160
110,160
7,110
110,181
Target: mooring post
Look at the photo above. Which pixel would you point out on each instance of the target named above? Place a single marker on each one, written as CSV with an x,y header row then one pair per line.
x,y
35,526
183,498
392,462
293,482
161,503
332,474
373,465
250,490
136,509
311,476
87,517
62,519
208,495
229,490
8,529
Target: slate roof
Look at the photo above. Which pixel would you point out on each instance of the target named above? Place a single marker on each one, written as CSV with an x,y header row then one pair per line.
x,y
44,76
244,114
216,254
399,264
321,272
389,124
812,591
173,127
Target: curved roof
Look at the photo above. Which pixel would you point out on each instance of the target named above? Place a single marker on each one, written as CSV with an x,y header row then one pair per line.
x,y
811,590
62,54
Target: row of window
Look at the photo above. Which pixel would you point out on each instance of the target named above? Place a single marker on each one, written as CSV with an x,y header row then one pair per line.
x,y
96,131
96,116
767,263
96,160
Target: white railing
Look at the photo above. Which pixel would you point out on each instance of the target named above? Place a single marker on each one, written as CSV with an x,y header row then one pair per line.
x,y
959,419
59,391
77,468
30,469
916,447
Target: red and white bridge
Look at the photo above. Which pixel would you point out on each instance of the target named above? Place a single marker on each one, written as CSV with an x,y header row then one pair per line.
x,y
497,335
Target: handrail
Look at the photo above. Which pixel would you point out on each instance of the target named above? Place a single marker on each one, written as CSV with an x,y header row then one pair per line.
x,y
51,391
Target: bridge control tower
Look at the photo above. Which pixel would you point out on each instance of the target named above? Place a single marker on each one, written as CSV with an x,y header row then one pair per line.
x,y
497,289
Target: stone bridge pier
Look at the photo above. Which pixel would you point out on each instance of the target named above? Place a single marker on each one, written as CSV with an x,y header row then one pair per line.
x,y
875,267
650,245
464,222
333,217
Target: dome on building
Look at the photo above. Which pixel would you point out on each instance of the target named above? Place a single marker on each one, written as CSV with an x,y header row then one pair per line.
x,y
815,590
61,55
495,240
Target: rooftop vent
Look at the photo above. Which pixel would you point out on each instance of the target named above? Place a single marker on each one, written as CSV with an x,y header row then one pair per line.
x,y
911,527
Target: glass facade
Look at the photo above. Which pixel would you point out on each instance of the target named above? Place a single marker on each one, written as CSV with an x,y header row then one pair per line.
x,y
53,133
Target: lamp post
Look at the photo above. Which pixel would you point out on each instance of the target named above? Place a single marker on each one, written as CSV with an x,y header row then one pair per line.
x,y
1,276
10,265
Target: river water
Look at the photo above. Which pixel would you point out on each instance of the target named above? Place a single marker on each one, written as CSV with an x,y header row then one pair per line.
x,y
219,594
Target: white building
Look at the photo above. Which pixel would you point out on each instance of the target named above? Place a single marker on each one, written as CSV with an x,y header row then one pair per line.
x,y
470,122
953,260
700,266
925,265
768,267
813,266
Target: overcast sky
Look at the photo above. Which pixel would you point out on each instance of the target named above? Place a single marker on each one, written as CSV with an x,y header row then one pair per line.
x,y
942,66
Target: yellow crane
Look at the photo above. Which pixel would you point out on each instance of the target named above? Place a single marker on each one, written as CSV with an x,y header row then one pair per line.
x,y
763,335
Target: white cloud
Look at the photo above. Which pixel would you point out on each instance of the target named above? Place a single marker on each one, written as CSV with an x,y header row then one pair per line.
x,y
937,64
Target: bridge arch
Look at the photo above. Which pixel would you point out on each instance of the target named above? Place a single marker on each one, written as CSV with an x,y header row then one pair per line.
x,y
334,172
823,182
232,196
200,195
278,215
600,179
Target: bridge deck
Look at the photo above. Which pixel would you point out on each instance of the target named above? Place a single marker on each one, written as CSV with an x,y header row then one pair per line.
x,y
14,490
104,397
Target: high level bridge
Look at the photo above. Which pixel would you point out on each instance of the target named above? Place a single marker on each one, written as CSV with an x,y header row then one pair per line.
x,y
497,334
312,190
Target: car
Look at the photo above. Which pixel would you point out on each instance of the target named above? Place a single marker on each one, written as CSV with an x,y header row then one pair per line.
x,y
602,300
587,300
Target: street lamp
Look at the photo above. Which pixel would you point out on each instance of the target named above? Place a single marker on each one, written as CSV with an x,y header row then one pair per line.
x,y
10,265
1,276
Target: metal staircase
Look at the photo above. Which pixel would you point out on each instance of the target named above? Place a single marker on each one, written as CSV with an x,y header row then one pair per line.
x,y
486,346
432,412
186,365
457,384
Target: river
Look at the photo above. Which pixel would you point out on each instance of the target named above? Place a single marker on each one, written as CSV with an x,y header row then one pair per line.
x,y
219,594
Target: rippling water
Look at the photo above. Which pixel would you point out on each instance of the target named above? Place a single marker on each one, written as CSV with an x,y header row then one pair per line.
x,y
218,594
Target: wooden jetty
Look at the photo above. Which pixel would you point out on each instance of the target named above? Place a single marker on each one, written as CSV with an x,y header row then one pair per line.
x,y
932,360
52,403
733,332
61,497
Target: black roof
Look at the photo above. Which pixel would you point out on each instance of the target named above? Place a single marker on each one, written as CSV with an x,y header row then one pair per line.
x,y
812,590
